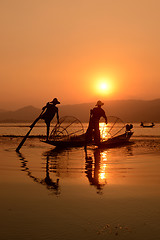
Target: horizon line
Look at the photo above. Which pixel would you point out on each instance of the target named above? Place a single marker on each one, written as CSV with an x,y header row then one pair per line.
x,y
70,104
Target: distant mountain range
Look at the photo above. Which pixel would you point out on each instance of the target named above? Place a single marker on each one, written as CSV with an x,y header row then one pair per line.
x,y
127,110
26,114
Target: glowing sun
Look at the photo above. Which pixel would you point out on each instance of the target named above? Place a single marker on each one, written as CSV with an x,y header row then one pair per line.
x,y
103,87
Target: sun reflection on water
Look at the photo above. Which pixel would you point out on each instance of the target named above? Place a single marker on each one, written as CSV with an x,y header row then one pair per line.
x,y
96,169
103,167
104,131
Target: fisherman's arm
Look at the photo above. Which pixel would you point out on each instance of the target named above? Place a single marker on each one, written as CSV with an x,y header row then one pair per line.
x,y
45,106
105,117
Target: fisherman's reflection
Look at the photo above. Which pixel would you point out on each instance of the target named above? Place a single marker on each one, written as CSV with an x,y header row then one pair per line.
x,y
96,170
53,186
49,182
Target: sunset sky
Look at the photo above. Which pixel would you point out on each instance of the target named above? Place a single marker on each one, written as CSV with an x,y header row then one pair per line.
x,y
78,51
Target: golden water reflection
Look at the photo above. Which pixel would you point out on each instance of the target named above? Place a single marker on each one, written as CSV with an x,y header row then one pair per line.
x,y
104,130
55,167
103,166
114,127
96,169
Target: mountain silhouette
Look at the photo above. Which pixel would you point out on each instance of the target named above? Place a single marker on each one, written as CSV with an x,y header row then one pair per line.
x,y
127,110
25,114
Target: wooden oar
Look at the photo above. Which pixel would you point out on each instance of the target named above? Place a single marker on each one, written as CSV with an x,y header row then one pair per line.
x,y
31,127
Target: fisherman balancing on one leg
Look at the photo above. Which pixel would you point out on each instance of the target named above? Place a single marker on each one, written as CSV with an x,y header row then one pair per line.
x,y
50,111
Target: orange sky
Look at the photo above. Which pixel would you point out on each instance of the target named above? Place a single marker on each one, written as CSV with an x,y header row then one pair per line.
x,y
65,48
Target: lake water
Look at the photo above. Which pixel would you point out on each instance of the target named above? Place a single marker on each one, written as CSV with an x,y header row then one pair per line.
x,y
20,129
70,194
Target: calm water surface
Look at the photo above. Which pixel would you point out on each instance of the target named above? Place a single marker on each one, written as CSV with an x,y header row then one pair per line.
x,y
73,194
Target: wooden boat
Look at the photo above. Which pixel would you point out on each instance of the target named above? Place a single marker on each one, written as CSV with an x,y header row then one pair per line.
x,y
70,133
68,142
80,141
147,126
116,141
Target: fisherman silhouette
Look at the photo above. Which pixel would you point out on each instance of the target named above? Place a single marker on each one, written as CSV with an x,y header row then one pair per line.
x,y
50,111
93,129
47,114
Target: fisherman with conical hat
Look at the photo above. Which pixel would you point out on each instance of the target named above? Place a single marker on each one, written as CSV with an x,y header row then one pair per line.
x,y
93,129
50,111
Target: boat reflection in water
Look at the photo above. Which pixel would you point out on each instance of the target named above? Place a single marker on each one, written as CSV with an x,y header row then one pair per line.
x,y
96,169
51,185
60,165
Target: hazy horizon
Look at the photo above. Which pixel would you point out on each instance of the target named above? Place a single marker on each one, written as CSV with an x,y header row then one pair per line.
x,y
68,104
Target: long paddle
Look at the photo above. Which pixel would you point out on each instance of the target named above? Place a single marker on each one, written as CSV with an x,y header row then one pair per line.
x,y
31,127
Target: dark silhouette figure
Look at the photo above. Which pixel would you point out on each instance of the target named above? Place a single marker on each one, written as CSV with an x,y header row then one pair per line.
x,y
129,127
93,129
50,111
47,114
141,124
